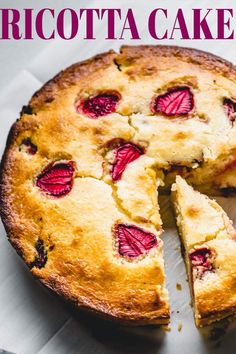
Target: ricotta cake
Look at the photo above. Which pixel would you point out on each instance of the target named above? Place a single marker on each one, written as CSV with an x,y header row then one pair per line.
x,y
209,248
80,172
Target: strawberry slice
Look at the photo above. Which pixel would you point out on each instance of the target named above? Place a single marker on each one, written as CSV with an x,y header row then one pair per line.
x,y
134,241
202,261
123,156
230,109
56,179
200,257
177,101
99,105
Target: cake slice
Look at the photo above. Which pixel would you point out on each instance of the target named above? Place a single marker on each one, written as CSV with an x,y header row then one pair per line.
x,y
209,246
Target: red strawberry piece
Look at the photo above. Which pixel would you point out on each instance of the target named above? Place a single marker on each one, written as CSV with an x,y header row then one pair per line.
x,y
200,257
123,156
134,241
56,179
99,105
202,261
28,146
230,109
177,101
41,258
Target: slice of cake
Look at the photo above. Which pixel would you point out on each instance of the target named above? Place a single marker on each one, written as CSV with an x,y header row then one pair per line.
x,y
209,247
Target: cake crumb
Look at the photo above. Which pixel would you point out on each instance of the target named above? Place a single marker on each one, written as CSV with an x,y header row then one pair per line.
x,y
178,286
166,328
180,326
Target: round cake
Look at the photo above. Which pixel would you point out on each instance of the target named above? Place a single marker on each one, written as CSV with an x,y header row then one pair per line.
x,y
82,166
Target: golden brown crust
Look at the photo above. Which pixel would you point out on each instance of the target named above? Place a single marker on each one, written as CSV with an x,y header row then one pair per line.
x,y
6,214
207,60
133,319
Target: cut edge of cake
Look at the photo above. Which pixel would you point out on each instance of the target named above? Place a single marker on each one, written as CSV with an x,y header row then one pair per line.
x,y
209,260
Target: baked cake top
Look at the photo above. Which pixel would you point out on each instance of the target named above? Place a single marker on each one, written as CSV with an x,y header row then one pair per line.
x,y
82,165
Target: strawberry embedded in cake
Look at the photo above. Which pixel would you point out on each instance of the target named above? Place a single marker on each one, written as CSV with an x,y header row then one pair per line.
x,y
124,155
201,259
134,241
56,179
230,109
177,101
99,105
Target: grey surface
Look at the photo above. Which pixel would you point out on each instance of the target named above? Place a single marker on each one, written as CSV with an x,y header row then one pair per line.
x,y
32,320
